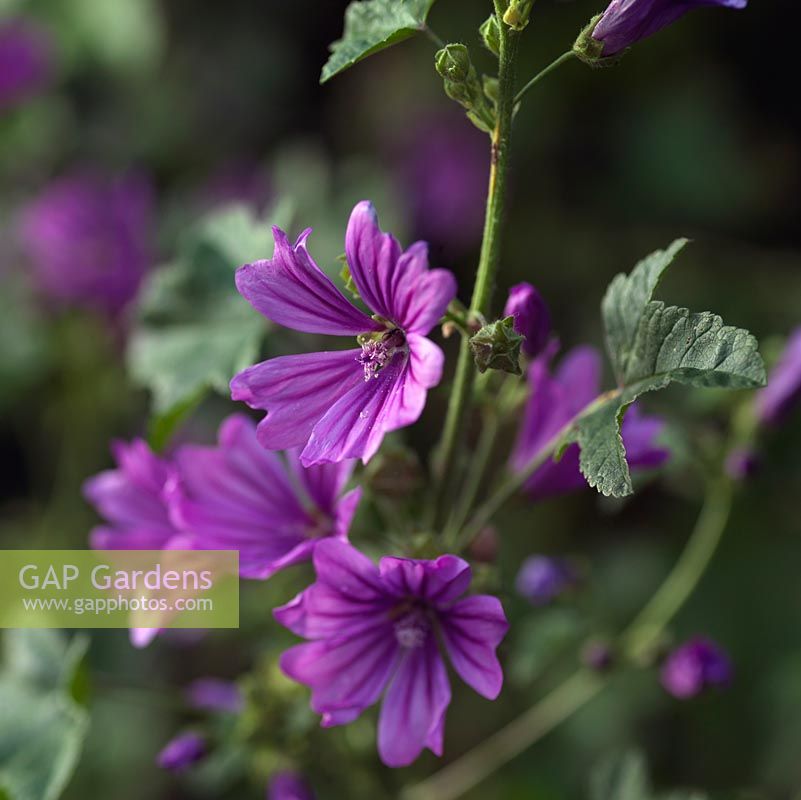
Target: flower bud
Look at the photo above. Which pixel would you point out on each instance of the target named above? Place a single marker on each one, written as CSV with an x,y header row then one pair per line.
x,y
597,655
541,579
213,694
287,785
531,317
625,24
516,16
491,34
462,84
695,666
497,346
182,751
741,463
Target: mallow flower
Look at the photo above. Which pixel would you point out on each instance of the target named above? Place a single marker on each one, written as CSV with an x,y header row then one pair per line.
x,y
25,61
695,666
381,631
557,397
88,240
239,496
541,579
339,404
783,392
626,22
132,499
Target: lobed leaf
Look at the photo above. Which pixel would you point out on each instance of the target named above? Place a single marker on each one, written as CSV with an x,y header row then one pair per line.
x,y
372,26
652,345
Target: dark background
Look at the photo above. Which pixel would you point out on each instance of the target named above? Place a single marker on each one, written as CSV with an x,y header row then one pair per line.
x,y
696,133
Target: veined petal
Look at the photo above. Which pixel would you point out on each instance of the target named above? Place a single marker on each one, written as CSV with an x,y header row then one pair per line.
x,y
346,674
346,570
414,706
323,482
291,290
372,258
354,426
472,629
296,391
396,285
439,582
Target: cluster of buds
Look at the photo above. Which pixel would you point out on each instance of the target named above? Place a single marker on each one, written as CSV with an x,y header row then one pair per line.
x,y
462,84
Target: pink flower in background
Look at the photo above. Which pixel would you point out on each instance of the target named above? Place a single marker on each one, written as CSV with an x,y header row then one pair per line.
x,y
25,61
532,317
339,404
132,500
776,401
239,496
88,240
379,631
555,398
288,785
695,666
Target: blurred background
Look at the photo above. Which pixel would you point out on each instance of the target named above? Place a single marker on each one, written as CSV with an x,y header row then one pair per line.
x,y
124,123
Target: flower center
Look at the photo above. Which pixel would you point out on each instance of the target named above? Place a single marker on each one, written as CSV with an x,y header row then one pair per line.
x,y
412,629
378,352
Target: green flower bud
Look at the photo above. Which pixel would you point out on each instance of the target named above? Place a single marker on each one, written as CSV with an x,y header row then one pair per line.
x,y
490,32
453,63
516,16
497,346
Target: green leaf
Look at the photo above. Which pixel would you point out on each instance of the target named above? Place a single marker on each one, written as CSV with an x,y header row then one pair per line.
x,y
651,346
371,26
41,728
195,330
625,300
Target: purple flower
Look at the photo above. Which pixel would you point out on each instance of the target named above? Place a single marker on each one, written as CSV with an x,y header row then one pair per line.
x,y
25,61
696,665
532,318
132,500
214,694
625,22
339,404
443,171
775,402
181,752
541,579
88,240
377,631
288,786
239,496
554,400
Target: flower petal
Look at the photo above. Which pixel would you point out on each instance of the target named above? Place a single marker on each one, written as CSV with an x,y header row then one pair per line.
x,y
439,582
398,286
372,258
296,391
291,290
471,630
346,674
414,706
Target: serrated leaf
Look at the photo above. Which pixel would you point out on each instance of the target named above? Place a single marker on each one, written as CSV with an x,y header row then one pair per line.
x,y
667,344
371,26
625,299
195,331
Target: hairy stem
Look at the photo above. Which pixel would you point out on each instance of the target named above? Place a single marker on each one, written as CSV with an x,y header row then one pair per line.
x,y
572,694
540,75
487,266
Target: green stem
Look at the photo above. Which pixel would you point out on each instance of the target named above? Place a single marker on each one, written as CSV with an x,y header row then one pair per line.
x,y
438,41
572,694
479,763
649,624
475,476
540,75
487,265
